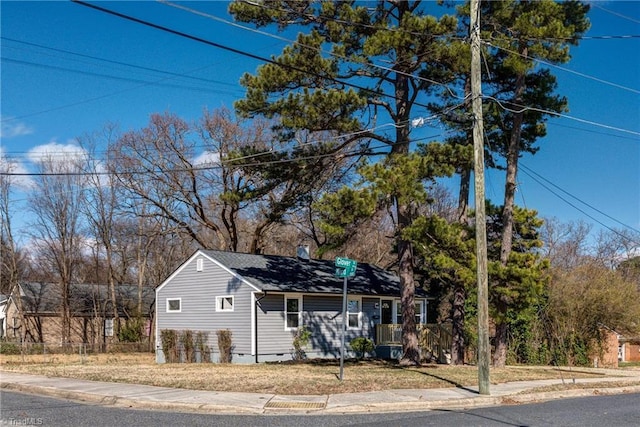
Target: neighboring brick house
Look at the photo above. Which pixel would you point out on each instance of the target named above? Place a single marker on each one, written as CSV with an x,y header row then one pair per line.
x,y
35,316
617,348
608,358
629,349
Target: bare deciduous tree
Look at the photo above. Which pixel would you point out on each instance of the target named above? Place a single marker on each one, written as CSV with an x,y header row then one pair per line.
x,y
101,207
57,202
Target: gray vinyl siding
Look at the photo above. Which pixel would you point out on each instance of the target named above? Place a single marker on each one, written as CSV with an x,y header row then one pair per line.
x,y
198,291
273,339
322,315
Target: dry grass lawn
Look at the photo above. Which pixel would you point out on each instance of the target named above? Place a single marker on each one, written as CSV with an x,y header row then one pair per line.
x,y
310,378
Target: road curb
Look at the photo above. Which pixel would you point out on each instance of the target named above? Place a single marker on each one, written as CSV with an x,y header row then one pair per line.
x,y
124,402
461,403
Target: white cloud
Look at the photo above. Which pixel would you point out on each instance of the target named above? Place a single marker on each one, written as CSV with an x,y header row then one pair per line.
x,y
207,158
55,151
11,128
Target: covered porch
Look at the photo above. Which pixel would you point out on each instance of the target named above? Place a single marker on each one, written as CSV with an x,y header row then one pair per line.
x,y
434,340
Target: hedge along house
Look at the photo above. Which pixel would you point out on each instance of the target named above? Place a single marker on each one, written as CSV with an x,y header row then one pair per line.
x,y
264,300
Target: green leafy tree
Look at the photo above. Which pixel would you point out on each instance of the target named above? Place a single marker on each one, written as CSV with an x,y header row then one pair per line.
x,y
328,80
518,285
518,33
447,261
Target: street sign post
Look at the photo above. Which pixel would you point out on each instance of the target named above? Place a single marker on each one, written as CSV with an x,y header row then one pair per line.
x,y
345,267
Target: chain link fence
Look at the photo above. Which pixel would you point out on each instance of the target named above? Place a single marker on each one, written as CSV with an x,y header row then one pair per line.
x,y
48,350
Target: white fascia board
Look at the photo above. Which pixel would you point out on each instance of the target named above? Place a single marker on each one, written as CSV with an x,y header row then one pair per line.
x,y
234,274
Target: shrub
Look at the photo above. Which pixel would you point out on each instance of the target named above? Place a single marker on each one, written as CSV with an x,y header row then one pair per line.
x,y
301,340
201,345
224,345
169,339
131,331
9,348
186,339
361,346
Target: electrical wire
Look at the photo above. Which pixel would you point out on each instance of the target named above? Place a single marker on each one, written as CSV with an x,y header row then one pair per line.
x,y
554,113
110,61
268,152
530,171
596,5
238,51
531,175
549,64
294,42
114,77
205,167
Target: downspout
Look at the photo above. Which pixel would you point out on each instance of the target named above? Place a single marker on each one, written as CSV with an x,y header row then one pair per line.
x,y
264,294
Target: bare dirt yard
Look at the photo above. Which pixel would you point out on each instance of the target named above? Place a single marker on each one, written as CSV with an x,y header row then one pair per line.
x,y
311,377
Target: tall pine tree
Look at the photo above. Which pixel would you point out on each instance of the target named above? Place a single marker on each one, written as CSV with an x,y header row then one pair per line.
x,y
328,80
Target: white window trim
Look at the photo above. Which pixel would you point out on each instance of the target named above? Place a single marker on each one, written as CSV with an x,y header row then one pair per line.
x,y
219,303
199,264
423,310
359,299
299,298
174,311
108,327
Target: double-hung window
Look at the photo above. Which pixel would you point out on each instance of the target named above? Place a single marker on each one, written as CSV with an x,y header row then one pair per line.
x,y
354,312
419,305
293,310
224,303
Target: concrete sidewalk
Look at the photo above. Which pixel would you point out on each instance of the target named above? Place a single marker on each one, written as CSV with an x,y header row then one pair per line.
x,y
163,398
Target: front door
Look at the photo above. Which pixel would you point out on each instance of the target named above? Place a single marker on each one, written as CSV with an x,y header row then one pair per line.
x,y
386,311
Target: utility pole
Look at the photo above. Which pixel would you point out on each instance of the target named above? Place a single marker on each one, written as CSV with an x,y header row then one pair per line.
x,y
484,350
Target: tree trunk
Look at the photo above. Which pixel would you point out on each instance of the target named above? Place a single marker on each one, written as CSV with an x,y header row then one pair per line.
x,y
457,326
500,351
410,348
513,152
65,335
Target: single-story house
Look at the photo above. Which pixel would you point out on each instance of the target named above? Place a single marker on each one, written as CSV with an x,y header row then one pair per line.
x,y
33,312
264,300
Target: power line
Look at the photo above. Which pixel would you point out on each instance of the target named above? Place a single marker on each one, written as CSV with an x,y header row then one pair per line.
x,y
264,33
523,108
422,121
110,61
549,64
235,160
579,200
613,135
530,173
238,51
620,15
110,76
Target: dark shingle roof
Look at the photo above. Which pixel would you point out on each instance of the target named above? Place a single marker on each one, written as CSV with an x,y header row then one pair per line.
x,y
45,298
292,274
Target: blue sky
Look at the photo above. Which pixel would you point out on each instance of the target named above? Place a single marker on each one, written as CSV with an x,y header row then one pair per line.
x,y
66,70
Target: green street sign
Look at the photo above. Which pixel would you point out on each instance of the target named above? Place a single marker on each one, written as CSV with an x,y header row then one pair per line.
x,y
345,267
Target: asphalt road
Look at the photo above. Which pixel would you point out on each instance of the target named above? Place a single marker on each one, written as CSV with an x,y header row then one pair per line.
x,y
617,410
